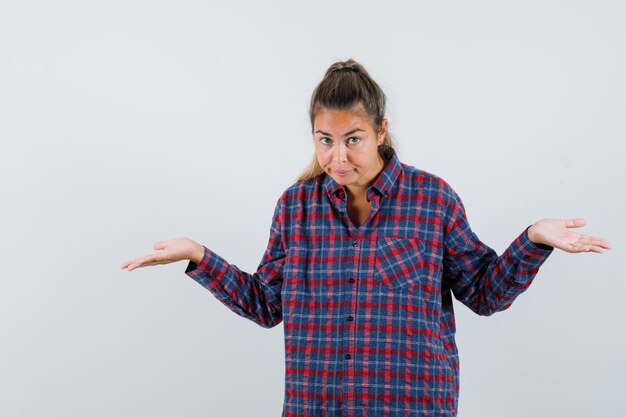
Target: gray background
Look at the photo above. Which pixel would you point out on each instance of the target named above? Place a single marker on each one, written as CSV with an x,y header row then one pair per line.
x,y
125,123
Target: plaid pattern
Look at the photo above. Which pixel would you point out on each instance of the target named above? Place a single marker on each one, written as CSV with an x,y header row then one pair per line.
x,y
368,319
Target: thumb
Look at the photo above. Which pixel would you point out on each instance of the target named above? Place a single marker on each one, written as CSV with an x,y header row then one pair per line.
x,y
578,222
159,245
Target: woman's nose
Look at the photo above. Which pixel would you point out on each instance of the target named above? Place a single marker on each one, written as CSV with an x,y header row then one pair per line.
x,y
340,153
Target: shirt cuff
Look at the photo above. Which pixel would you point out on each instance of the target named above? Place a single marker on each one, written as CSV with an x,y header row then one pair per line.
x,y
208,273
211,264
530,255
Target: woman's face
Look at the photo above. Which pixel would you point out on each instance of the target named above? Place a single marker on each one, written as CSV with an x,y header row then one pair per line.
x,y
346,147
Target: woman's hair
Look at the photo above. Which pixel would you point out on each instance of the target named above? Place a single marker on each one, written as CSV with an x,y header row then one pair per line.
x,y
345,85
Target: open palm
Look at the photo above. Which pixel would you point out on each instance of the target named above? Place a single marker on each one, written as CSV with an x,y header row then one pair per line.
x,y
165,252
558,233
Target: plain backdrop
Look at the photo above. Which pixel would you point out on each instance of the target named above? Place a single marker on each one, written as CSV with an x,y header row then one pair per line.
x,y
123,123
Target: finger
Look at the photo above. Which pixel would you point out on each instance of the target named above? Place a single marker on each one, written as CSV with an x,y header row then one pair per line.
x,y
600,241
577,222
594,240
132,266
591,248
139,262
586,247
138,265
597,249
577,246
127,263
132,261
148,261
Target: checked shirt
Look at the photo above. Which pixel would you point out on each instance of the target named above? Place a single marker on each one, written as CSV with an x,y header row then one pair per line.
x,y
367,311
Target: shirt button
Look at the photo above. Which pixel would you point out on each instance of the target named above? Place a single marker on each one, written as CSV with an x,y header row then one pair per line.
x,y
350,318
348,356
355,243
229,300
351,280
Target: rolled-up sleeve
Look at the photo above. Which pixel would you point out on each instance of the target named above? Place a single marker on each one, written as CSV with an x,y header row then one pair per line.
x,y
256,296
477,276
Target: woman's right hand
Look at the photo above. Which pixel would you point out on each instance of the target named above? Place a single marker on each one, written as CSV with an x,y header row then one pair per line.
x,y
168,251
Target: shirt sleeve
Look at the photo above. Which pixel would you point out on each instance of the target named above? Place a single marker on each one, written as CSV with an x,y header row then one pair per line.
x,y
256,296
478,277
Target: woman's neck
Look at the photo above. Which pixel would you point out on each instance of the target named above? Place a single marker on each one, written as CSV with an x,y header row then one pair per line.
x,y
355,193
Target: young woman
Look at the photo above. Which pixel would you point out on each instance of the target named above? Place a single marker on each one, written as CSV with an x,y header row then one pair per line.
x,y
364,255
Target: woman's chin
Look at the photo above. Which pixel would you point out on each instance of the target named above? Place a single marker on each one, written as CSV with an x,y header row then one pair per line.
x,y
343,179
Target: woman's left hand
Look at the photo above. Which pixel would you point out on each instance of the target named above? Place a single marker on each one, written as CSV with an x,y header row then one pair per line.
x,y
556,233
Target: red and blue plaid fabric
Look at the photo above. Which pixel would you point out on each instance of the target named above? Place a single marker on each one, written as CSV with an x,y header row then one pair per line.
x,y
368,319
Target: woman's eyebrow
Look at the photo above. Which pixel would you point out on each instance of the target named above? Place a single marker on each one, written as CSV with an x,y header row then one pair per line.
x,y
345,134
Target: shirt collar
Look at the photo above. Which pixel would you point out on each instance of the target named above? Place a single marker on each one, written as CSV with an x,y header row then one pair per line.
x,y
382,184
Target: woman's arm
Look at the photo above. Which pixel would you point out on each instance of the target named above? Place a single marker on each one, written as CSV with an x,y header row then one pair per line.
x,y
255,296
488,283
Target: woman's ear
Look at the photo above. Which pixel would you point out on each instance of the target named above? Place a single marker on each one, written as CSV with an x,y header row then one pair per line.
x,y
383,131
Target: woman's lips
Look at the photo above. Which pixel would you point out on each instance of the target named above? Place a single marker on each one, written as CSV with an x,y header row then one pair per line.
x,y
342,173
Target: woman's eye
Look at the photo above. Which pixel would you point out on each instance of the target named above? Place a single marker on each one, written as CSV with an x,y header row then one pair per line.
x,y
356,140
323,140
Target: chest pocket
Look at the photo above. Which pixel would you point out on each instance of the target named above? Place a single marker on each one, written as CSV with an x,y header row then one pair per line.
x,y
400,262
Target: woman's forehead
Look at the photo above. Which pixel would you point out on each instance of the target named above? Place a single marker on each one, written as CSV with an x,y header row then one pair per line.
x,y
338,119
